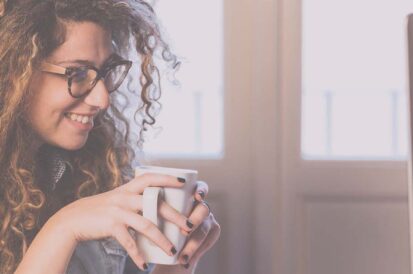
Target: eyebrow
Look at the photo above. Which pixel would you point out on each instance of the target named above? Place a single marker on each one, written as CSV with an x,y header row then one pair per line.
x,y
88,62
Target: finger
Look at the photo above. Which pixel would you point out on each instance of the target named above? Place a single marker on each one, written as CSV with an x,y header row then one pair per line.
x,y
194,242
201,190
127,200
139,183
149,230
125,239
199,213
209,241
172,215
133,202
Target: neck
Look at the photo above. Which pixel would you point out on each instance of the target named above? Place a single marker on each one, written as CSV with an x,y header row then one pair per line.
x,y
35,143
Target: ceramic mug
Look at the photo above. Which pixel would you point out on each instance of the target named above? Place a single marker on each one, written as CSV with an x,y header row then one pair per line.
x,y
182,199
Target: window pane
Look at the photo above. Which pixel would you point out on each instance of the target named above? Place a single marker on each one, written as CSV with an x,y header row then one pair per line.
x,y
354,79
190,123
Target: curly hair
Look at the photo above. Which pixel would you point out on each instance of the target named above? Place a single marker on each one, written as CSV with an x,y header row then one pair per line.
x,y
33,29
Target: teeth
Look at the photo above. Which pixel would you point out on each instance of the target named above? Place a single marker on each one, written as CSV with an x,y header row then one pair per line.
x,y
79,118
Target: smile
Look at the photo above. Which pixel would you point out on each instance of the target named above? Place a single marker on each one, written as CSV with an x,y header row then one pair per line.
x,y
79,118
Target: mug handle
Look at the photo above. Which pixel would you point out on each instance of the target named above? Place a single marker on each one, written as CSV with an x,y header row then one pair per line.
x,y
150,203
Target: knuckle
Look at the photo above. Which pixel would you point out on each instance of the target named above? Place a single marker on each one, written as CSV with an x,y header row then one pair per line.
x,y
114,211
130,246
142,179
132,181
112,224
115,198
162,204
117,230
132,252
146,226
145,176
148,179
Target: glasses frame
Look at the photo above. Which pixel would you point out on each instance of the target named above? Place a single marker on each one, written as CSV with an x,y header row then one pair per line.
x,y
100,73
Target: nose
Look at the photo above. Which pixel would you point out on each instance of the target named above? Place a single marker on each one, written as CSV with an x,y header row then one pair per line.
x,y
98,96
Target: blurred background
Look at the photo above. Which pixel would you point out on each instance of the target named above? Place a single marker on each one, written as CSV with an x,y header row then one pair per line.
x,y
295,114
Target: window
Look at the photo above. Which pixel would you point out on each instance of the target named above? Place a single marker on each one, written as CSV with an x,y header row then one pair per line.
x,y
354,79
190,123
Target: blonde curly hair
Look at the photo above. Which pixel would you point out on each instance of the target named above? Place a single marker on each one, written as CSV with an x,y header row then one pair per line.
x,y
33,29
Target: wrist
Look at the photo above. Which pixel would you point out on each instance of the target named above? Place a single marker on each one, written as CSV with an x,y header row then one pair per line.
x,y
51,249
59,223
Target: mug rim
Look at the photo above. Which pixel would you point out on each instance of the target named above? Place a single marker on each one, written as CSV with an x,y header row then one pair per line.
x,y
168,169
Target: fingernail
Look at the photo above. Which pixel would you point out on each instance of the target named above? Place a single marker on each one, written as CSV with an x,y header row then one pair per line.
x,y
145,266
173,250
182,180
202,194
186,258
189,224
186,266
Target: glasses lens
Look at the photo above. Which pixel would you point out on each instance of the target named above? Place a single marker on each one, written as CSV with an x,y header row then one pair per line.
x,y
115,76
82,81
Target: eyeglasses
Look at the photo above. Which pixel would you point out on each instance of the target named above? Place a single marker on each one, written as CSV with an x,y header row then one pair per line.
x,y
81,80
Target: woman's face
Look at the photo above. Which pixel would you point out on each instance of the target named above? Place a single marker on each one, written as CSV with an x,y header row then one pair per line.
x,y
53,110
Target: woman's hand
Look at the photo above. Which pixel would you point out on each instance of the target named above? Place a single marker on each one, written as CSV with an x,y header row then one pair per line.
x,y
109,214
204,235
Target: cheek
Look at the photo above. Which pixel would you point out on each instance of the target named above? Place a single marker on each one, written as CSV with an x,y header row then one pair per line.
x,y
44,109
46,112
46,115
44,120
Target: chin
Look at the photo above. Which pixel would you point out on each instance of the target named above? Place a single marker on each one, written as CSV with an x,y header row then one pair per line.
x,y
73,147
70,144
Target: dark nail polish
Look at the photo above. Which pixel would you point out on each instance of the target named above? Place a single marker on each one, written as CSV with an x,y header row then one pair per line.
x,y
186,258
182,180
145,266
189,224
202,194
186,266
173,250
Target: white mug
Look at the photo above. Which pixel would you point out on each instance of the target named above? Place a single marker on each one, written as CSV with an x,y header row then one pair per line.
x,y
182,199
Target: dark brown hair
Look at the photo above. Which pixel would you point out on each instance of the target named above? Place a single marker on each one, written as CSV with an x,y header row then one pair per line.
x,y
33,29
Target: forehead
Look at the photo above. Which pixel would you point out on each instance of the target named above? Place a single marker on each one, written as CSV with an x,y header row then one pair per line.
x,y
84,41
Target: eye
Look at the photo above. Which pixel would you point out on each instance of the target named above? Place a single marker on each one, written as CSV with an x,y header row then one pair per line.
x,y
80,74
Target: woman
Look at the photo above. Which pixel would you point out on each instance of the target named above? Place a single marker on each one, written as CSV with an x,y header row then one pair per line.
x,y
69,199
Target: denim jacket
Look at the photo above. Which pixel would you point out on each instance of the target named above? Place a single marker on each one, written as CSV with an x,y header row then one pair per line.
x,y
104,256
